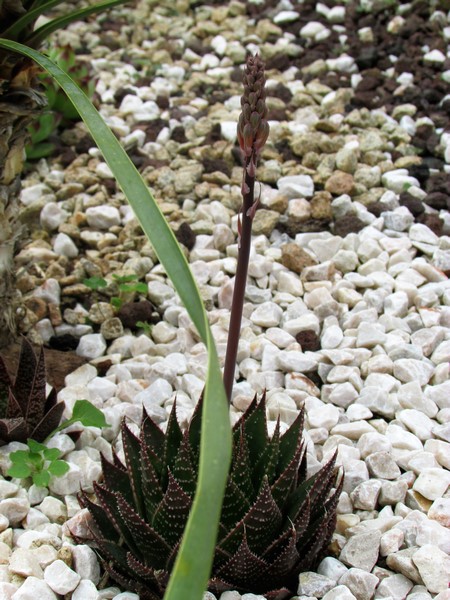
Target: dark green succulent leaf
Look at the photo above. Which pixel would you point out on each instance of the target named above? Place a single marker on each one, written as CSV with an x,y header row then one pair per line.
x,y
151,486
235,506
173,440
172,513
152,548
103,524
194,430
287,481
259,524
109,502
290,442
244,568
255,432
241,468
312,546
26,374
14,409
303,517
323,483
113,552
116,478
13,429
183,470
132,451
151,435
49,421
268,461
299,496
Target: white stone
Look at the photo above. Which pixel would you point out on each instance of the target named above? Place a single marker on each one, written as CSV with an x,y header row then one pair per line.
x,y
440,511
411,369
314,584
395,586
53,509
33,588
421,233
434,568
302,323
340,592
85,563
398,179
267,314
432,483
332,568
435,56
85,590
49,291
14,509
60,578
432,532
295,361
326,416
296,186
52,216
418,423
91,346
285,16
399,438
362,550
63,245
23,562
360,583
102,217
33,193
370,335
69,483
311,29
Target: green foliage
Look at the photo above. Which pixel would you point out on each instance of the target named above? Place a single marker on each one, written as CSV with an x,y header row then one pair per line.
x,y
128,285
95,283
145,326
40,462
60,111
274,522
25,409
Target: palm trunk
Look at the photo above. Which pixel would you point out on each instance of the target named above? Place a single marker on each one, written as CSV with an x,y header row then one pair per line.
x,y
18,107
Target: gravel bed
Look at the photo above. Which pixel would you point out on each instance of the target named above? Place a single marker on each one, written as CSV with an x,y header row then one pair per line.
x,y
348,302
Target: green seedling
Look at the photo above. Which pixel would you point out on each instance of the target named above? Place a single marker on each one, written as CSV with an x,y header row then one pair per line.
x,y
37,462
95,283
40,462
145,326
60,110
126,284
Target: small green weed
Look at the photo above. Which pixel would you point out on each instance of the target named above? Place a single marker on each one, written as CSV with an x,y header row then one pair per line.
x,y
127,284
40,462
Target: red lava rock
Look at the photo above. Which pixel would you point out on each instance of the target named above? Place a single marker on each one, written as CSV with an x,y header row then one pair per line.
x,y
308,340
132,312
348,224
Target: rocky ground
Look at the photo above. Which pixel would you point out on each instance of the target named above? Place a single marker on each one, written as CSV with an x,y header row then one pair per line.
x,y
348,301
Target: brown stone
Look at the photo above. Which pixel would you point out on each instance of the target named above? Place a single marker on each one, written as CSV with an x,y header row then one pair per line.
x,y
54,313
36,305
295,258
340,183
321,206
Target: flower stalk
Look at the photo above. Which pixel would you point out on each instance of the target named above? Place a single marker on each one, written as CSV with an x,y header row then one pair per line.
x,y
252,134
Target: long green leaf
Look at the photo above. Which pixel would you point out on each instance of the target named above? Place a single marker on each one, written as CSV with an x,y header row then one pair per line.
x,y
193,565
28,18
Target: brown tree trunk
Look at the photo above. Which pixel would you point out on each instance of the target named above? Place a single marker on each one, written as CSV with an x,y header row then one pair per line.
x,y
18,107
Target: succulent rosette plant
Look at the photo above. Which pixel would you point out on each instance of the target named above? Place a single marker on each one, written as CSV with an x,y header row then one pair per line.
x,y
275,522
